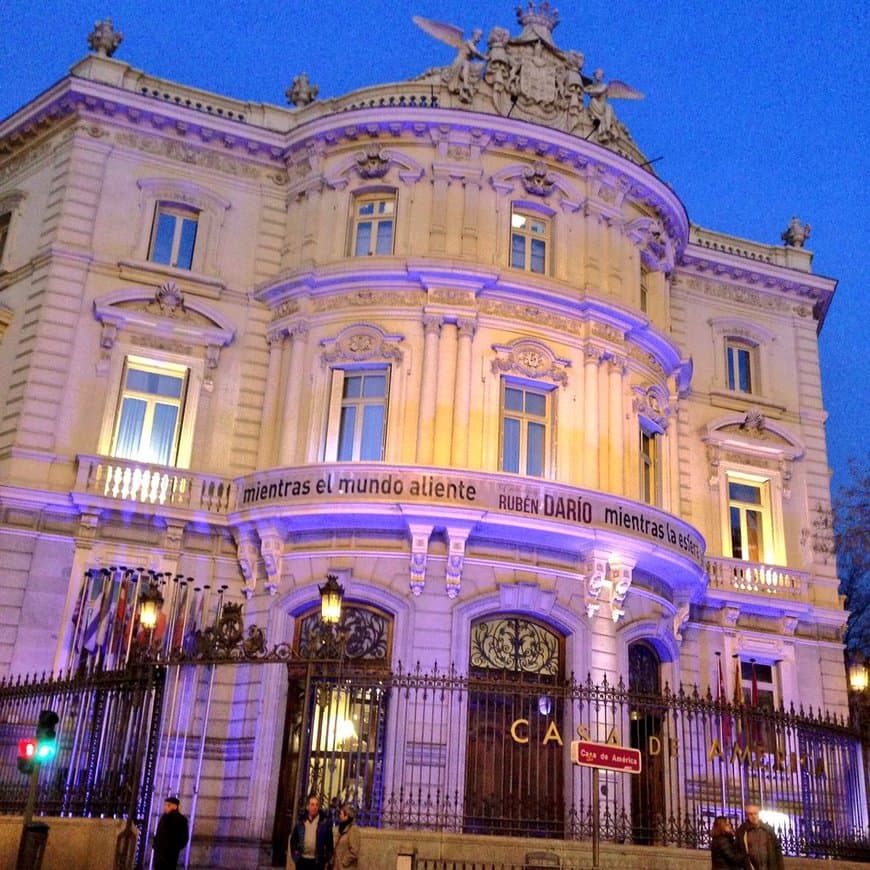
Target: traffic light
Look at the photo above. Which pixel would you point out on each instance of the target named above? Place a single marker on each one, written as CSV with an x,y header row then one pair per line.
x,y
26,755
46,737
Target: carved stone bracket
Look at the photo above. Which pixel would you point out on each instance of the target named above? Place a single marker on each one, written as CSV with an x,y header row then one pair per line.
x,y
728,616
681,617
621,576
271,549
420,534
456,540
248,554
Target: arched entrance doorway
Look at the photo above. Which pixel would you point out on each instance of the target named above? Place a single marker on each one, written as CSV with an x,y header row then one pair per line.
x,y
514,777
648,788
335,722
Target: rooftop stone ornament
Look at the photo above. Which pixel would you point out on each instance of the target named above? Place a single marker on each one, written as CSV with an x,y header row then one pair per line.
x,y
796,233
528,77
104,39
301,92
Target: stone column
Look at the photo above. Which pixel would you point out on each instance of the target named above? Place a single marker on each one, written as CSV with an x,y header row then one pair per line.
x,y
294,373
615,428
446,394
428,386
269,420
459,455
590,416
438,229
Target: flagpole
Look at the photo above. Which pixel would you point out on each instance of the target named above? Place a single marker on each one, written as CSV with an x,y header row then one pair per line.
x,y
723,768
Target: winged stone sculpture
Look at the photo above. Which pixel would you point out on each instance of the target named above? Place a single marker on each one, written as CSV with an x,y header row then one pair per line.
x,y
600,109
461,76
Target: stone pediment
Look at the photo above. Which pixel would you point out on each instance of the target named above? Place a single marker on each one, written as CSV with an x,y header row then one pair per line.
x,y
528,77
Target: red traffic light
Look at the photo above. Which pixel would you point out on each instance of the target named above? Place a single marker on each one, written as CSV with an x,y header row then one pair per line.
x,y
27,755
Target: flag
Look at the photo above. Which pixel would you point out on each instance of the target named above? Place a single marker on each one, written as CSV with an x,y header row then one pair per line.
x,y
739,706
180,618
94,609
724,717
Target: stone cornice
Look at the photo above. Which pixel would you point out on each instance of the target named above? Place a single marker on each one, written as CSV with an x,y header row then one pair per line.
x,y
74,97
753,279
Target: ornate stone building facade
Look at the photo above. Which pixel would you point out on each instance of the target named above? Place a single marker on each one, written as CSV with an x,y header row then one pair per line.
x,y
450,340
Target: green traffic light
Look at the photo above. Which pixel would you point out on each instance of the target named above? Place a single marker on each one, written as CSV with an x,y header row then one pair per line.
x,y
45,751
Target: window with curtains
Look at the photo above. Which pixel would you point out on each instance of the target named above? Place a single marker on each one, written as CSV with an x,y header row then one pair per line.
x,y
749,518
524,429
358,414
374,223
150,411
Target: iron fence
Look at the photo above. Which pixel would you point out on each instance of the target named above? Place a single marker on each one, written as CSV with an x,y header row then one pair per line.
x,y
107,737
443,751
450,752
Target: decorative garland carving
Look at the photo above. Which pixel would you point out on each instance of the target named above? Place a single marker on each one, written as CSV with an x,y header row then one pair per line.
x,y
530,359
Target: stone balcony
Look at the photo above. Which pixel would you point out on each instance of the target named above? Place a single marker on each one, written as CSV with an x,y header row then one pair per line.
x,y
107,479
756,578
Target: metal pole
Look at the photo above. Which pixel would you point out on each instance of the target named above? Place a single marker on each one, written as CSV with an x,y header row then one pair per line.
x,y
596,822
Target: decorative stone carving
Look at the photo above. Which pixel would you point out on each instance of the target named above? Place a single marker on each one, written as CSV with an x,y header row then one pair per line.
x,y
104,39
530,359
372,163
529,78
301,92
360,343
621,576
796,233
652,402
753,421
463,75
538,180
729,616
168,301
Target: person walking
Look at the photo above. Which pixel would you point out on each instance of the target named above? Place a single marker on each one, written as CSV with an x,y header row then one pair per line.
x,y
347,844
760,842
311,840
171,836
725,851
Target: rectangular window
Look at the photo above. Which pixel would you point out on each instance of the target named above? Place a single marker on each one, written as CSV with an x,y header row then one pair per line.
x,y
524,430
644,290
739,363
358,415
373,227
530,234
5,221
173,236
650,467
749,519
149,416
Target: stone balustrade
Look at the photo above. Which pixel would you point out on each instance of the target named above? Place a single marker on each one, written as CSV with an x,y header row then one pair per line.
x,y
756,577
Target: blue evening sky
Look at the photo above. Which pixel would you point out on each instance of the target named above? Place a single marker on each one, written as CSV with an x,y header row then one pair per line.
x,y
758,110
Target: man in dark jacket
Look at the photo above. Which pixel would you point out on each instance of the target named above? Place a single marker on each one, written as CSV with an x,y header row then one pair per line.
x,y
311,840
171,836
760,842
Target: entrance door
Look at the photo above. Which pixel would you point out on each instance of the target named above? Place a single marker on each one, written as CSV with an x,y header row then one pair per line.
x,y
648,787
514,763
335,722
